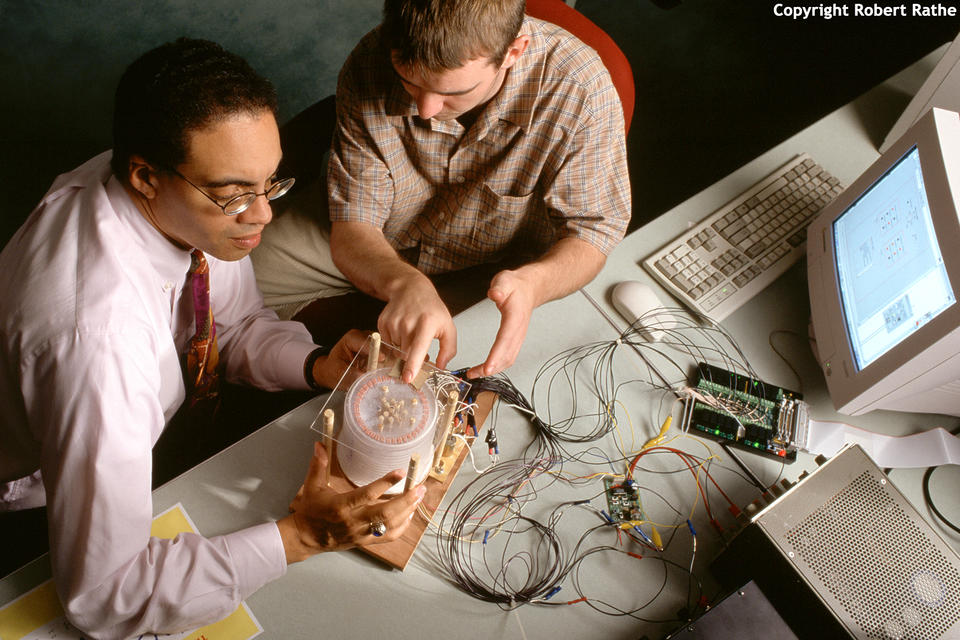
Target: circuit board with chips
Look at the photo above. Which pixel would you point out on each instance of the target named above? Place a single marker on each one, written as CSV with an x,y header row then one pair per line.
x,y
747,413
623,501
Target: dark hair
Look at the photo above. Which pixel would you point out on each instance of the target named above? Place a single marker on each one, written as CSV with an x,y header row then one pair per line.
x,y
177,88
438,35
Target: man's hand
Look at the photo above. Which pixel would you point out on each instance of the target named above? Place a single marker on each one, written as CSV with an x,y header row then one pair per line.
x,y
413,317
324,520
567,266
515,298
328,370
414,314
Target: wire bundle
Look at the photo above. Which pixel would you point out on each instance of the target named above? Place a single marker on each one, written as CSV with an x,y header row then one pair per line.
x,y
491,506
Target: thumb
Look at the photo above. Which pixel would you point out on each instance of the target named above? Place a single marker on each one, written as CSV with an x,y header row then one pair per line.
x,y
497,294
318,465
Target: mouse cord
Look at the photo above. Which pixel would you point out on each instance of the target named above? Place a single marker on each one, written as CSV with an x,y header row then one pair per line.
x,y
620,332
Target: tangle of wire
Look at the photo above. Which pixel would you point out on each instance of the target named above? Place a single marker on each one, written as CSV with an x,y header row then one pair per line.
x,y
530,564
531,560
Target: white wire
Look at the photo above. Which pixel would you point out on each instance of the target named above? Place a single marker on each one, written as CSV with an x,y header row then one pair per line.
x,y
473,461
523,634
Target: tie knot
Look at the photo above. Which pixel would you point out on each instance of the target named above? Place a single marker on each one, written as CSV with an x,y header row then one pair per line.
x,y
198,262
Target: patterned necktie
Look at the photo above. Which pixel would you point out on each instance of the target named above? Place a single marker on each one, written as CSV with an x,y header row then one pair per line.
x,y
202,356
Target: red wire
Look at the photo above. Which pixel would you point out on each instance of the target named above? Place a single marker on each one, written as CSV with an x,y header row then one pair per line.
x,y
693,464
683,456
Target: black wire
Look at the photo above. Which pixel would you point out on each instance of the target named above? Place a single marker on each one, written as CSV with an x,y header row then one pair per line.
x,y
925,485
500,488
740,463
929,500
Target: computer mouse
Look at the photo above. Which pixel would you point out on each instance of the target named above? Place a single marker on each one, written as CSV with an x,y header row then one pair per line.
x,y
634,300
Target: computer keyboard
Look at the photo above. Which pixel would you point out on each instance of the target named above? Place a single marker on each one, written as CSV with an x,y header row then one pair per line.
x,y
738,250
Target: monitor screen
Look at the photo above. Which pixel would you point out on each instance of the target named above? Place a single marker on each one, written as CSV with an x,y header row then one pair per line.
x,y
892,279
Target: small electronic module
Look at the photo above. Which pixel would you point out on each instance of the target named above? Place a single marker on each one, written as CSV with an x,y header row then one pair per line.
x,y
747,413
623,501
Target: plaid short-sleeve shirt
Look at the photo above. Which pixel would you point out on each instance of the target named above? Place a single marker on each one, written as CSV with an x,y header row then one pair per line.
x,y
545,159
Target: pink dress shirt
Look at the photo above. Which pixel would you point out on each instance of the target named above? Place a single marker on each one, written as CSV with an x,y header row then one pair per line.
x,y
92,325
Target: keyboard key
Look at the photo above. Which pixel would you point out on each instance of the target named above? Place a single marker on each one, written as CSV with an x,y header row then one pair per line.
x,y
739,236
773,187
682,282
798,238
757,249
666,268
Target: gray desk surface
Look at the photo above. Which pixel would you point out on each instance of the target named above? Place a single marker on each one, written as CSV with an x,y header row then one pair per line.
x,y
348,595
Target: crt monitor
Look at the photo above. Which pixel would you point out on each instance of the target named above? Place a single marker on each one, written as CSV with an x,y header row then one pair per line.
x,y
883,265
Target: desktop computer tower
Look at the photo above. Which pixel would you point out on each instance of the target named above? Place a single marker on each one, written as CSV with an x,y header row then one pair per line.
x,y
843,554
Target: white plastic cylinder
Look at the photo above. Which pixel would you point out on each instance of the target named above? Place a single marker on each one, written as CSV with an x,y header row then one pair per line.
x,y
385,421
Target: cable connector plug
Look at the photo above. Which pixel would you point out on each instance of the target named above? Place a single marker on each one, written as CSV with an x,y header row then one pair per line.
x,y
491,440
472,421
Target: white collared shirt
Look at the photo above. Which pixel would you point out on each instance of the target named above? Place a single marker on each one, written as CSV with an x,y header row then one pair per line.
x,y
92,325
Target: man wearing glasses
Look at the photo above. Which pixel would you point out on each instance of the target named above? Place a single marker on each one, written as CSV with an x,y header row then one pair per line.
x,y
133,267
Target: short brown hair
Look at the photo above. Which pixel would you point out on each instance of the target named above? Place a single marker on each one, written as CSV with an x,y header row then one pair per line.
x,y
438,35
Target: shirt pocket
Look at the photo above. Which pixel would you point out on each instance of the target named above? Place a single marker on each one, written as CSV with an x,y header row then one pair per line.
x,y
499,220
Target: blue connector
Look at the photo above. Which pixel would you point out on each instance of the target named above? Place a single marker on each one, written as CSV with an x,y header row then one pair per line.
x,y
552,593
643,535
690,526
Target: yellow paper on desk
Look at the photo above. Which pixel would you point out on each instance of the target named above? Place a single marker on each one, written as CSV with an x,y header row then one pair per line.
x,y
37,614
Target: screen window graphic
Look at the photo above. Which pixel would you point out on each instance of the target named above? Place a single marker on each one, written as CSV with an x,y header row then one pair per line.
x,y
891,274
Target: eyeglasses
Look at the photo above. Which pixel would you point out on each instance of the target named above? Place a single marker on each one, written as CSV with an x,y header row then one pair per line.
x,y
240,203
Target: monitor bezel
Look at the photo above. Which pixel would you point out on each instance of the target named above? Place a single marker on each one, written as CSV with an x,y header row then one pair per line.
x,y
895,373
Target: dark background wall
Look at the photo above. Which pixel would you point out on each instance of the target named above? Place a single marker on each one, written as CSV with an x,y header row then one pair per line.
x,y
60,61
721,81
718,81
